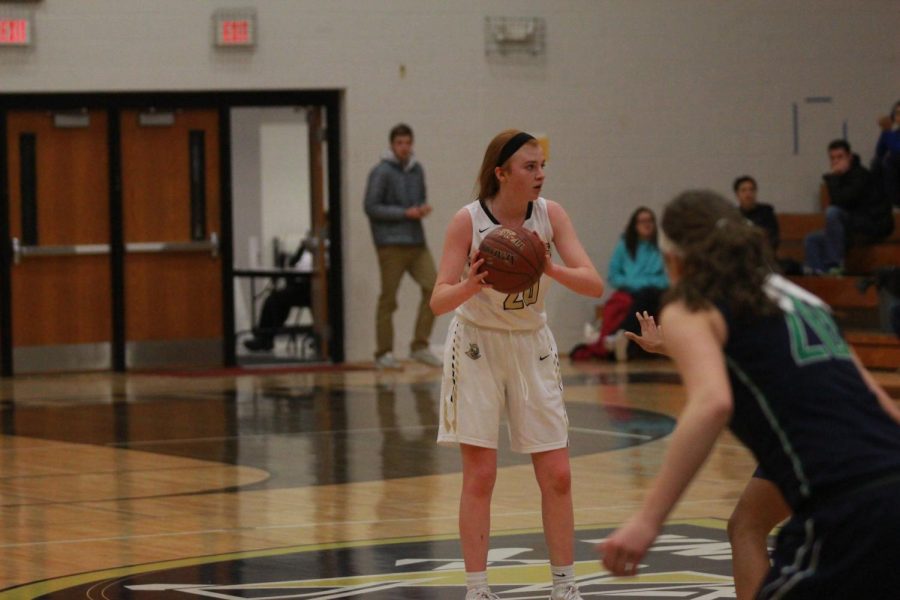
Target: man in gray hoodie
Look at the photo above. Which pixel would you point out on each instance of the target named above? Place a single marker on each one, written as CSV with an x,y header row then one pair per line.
x,y
395,203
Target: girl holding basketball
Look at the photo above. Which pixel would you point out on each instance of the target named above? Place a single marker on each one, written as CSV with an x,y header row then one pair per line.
x,y
502,356
764,357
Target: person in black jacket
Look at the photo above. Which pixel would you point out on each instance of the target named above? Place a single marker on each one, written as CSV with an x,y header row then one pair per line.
x,y
858,212
761,215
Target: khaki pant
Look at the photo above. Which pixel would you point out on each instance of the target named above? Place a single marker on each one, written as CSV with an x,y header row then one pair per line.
x,y
394,261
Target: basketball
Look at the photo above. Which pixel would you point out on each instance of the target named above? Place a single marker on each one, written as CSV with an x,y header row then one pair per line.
x,y
513,258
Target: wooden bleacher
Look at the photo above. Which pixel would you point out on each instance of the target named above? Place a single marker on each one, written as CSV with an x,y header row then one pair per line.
x,y
858,313
860,260
876,350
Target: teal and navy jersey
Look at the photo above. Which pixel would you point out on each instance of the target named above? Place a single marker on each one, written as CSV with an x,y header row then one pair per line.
x,y
800,403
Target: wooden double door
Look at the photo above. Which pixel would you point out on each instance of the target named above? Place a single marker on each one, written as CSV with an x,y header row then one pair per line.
x,y
114,225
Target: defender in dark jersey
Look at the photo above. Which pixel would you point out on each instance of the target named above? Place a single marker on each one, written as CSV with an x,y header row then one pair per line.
x,y
765,357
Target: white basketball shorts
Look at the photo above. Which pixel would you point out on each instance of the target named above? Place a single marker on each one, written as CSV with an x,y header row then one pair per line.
x,y
489,372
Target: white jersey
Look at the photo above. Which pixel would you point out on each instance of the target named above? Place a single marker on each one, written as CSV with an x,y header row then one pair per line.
x,y
495,310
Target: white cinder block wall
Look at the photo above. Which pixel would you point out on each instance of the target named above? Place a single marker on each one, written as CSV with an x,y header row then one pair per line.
x,y
640,98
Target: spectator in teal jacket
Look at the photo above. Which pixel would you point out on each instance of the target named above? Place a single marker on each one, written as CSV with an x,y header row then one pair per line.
x,y
636,263
637,273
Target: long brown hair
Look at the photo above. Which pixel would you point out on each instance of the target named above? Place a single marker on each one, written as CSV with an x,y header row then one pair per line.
x,y
725,257
487,184
631,236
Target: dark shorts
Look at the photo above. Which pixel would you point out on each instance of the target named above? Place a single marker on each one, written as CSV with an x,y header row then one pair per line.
x,y
847,548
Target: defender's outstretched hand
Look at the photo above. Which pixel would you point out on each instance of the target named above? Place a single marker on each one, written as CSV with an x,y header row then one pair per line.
x,y
624,549
651,338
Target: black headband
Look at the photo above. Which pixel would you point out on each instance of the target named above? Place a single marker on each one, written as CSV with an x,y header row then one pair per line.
x,y
511,146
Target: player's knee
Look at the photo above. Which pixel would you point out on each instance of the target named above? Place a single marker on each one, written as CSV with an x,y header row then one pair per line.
x,y
479,482
557,481
741,524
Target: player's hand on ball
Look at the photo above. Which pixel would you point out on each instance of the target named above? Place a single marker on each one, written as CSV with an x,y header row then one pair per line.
x,y
474,277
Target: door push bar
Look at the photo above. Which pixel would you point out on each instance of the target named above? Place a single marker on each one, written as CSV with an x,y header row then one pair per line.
x,y
20,251
211,246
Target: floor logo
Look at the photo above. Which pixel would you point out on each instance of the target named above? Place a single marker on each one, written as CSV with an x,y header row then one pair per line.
x,y
690,560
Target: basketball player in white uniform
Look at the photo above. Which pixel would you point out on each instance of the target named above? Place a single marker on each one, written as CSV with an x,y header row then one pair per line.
x,y
501,357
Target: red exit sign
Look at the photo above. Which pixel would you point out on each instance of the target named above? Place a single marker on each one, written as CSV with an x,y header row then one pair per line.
x,y
15,32
235,33
234,28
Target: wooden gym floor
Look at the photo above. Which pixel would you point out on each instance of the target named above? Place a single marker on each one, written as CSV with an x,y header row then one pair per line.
x,y
326,485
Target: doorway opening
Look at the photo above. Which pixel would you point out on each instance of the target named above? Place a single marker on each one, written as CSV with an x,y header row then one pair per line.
x,y
280,221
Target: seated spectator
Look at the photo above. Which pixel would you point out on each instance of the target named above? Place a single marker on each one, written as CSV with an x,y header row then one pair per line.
x,y
637,273
857,212
277,306
887,155
761,215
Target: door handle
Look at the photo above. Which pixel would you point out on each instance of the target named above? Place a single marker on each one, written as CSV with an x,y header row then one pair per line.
x,y
211,246
20,251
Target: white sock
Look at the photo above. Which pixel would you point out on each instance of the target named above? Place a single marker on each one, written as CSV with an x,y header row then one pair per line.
x,y
563,575
476,580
